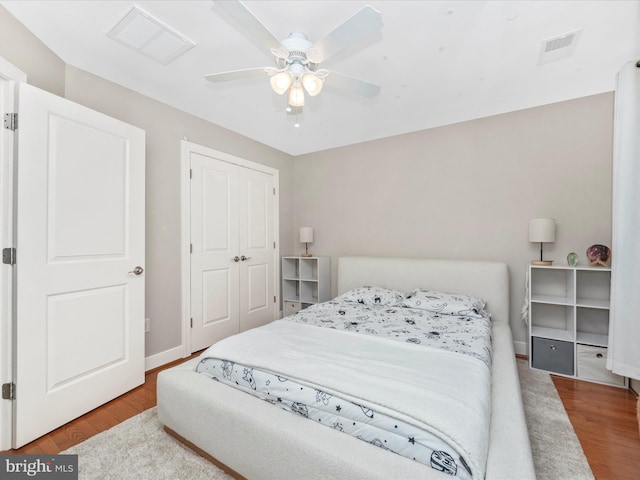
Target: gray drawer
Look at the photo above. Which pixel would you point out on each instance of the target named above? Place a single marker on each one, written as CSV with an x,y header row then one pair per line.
x,y
552,355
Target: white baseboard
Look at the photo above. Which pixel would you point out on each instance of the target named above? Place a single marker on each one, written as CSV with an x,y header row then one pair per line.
x,y
163,358
521,348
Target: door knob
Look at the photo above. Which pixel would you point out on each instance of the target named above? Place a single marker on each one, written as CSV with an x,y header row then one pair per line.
x,y
243,258
137,271
236,259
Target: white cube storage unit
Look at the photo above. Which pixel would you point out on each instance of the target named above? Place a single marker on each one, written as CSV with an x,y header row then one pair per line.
x,y
569,322
305,281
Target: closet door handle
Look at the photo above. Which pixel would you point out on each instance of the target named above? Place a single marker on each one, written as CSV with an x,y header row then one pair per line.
x,y
236,259
243,258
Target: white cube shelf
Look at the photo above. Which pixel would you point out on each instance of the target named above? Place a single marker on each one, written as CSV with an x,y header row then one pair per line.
x,y
305,281
568,316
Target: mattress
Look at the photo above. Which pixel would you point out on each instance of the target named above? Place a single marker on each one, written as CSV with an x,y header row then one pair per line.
x,y
432,337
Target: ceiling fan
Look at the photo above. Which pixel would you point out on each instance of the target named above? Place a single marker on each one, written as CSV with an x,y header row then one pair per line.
x,y
297,59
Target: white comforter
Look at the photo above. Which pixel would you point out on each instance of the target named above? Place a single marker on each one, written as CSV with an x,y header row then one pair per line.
x,y
443,392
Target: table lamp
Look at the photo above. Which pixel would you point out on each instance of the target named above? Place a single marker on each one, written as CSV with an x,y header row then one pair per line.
x,y
542,230
306,237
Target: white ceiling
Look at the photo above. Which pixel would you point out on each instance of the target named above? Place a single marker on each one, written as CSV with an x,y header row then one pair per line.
x,y
438,62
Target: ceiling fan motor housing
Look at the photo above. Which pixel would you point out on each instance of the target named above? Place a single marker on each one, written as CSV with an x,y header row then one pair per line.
x,y
300,51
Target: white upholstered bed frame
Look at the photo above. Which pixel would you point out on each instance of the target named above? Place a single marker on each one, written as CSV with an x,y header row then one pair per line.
x,y
253,439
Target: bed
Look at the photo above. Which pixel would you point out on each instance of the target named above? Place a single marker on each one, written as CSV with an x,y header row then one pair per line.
x,y
253,439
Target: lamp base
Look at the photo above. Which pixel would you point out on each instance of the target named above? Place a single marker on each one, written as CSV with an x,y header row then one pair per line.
x,y
306,255
541,262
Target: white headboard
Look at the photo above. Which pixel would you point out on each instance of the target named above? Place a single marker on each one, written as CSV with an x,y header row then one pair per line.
x,y
485,279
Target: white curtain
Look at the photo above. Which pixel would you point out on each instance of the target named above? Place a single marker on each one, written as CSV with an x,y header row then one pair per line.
x,y
623,355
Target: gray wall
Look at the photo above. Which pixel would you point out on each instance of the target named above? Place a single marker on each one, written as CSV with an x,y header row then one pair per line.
x,y
165,127
467,190
23,49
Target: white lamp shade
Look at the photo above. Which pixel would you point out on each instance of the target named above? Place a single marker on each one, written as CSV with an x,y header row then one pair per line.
x,y
280,82
296,96
312,84
542,230
306,235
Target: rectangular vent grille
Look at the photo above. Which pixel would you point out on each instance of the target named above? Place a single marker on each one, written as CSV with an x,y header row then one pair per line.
x,y
150,37
559,42
558,47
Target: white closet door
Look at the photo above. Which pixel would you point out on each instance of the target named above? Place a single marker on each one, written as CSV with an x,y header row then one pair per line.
x,y
232,232
256,229
80,232
214,243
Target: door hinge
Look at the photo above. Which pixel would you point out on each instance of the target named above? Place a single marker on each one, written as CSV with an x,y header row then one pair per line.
x,y
191,173
9,256
191,248
274,190
274,299
11,121
191,322
8,391
274,244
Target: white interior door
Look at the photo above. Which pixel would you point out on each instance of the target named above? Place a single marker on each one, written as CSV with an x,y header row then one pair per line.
x,y
79,236
257,296
233,248
214,245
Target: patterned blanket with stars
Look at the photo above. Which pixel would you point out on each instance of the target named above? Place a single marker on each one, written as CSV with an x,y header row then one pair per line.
x,y
467,335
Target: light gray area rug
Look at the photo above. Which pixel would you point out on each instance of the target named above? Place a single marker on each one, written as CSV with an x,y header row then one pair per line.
x,y
557,453
139,449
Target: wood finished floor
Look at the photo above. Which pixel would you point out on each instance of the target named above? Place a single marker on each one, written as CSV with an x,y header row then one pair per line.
x,y
604,419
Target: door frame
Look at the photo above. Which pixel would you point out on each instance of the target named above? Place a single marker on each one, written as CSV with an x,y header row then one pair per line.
x,y
10,76
186,148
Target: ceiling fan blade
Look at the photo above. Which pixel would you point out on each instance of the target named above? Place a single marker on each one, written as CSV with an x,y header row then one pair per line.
x,y
351,31
236,74
250,24
352,84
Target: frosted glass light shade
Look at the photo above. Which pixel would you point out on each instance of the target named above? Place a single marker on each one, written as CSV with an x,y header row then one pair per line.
x,y
312,84
280,82
296,96
306,235
542,230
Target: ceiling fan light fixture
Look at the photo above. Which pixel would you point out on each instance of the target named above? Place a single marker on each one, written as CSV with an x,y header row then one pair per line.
x,y
296,96
281,82
312,84
297,59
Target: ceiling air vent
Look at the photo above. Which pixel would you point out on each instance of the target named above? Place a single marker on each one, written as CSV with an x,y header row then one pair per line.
x,y
150,37
558,47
